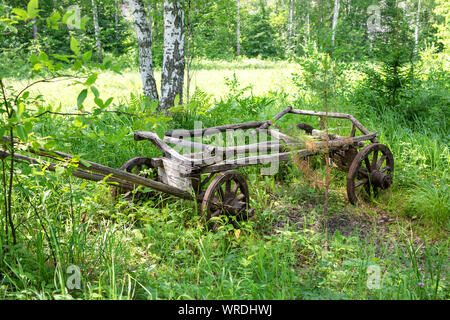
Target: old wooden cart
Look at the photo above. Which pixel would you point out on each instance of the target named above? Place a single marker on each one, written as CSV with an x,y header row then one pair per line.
x,y
208,175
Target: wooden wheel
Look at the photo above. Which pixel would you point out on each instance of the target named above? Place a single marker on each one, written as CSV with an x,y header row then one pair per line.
x,y
140,166
370,171
226,195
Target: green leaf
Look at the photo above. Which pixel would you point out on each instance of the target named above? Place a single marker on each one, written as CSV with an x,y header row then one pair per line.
x,y
54,18
34,59
43,57
87,56
108,102
83,22
28,126
95,91
85,163
32,8
77,123
61,57
22,133
20,14
81,97
91,79
160,130
75,46
99,102
77,65
20,109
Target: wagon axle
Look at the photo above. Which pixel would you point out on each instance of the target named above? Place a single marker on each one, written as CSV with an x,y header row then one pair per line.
x,y
380,180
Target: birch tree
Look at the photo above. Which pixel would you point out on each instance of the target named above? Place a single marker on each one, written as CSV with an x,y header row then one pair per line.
x,y
307,24
290,22
416,31
172,77
335,20
144,38
238,28
98,43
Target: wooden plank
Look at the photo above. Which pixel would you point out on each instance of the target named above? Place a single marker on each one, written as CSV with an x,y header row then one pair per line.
x,y
119,174
284,156
214,130
321,114
335,115
276,117
166,149
77,173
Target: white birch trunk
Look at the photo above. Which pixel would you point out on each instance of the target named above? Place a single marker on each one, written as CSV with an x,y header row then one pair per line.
x,y
98,43
335,20
188,52
172,78
416,31
144,38
116,19
290,22
307,23
238,28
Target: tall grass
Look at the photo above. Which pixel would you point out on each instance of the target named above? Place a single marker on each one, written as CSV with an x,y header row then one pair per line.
x,y
160,249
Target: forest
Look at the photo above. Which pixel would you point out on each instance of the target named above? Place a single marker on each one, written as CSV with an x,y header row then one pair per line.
x,y
340,91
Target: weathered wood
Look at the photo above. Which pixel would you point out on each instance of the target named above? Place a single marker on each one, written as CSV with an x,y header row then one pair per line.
x,y
77,173
119,174
284,156
276,117
167,150
334,115
190,144
213,130
353,130
320,113
247,161
280,136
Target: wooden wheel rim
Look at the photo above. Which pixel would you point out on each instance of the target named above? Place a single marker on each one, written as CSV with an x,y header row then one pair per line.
x,y
227,194
136,166
363,166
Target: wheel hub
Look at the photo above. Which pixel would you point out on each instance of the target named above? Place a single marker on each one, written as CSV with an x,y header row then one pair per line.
x,y
380,179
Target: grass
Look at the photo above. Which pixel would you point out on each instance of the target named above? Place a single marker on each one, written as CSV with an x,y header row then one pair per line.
x,y
160,249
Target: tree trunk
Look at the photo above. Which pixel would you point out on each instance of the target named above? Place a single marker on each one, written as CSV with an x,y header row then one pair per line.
x,y
144,38
238,28
335,20
116,19
35,31
307,23
188,52
97,31
416,31
172,77
290,22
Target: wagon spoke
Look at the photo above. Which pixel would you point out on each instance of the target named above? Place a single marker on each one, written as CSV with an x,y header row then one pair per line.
x,y
240,197
384,169
235,190
374,160
380,162
228,186
216,213
367,163
221,194
361,182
